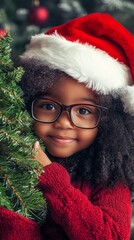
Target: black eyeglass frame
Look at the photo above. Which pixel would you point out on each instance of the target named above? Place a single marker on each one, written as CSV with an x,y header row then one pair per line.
x,y
68,109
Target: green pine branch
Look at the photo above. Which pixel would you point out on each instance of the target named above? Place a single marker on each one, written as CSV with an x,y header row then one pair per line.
x,y
18,174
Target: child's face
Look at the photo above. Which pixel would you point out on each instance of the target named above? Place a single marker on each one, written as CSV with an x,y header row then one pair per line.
x,y
62,138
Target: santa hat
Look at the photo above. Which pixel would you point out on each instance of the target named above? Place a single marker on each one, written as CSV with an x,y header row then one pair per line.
x,y
94,49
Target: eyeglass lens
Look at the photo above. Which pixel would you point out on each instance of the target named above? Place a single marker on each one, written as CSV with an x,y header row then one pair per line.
x,y
82,115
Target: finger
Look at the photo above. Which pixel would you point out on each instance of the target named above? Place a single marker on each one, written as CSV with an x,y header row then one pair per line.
x,y
36,145
40,156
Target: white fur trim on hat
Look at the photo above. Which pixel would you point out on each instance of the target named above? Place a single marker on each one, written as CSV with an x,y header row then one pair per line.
x,y
84,62
81,61
127,97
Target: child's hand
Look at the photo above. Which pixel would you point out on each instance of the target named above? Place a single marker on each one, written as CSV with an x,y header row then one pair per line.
x,y
40,156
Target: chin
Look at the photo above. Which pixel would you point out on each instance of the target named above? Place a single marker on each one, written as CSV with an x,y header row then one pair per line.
x,y
60,154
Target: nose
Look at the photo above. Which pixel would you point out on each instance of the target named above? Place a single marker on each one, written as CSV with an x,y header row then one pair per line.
x,y
64,121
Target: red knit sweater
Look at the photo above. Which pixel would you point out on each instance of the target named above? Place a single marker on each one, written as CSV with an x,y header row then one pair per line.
x,y
75,211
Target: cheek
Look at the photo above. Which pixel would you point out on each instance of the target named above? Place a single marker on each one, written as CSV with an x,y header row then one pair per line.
x,y
40,129
87,137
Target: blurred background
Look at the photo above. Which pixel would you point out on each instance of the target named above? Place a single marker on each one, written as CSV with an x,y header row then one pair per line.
x,y
24,18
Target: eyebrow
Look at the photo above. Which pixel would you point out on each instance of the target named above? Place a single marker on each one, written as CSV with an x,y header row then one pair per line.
x,y
89,100
79,99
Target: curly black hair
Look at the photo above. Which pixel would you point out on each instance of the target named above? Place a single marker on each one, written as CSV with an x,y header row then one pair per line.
x,y
111,157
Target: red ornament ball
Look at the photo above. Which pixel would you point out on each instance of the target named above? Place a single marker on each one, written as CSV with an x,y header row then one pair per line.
x,y
38,16
2,33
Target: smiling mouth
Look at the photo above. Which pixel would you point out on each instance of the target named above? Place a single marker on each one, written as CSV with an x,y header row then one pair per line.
x,y
60,139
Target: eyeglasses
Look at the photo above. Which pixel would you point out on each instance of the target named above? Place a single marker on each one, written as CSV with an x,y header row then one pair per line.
x,y
85,116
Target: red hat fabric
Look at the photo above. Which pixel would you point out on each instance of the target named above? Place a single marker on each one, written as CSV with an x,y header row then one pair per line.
x,y
94,49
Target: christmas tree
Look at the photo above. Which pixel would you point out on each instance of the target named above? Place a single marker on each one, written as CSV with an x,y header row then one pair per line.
x,y
18,173
26,18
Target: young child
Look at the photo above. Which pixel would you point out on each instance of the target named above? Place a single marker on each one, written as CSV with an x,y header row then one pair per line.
x,y
78,88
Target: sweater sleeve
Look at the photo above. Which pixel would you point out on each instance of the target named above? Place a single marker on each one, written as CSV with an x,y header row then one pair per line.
x,y
107,215
13,226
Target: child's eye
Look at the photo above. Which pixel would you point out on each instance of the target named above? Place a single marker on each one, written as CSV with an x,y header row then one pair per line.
x,y
83,111
48,106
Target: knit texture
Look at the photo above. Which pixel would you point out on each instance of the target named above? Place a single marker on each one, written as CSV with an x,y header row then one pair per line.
x,y
81,212
13,226
75,211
